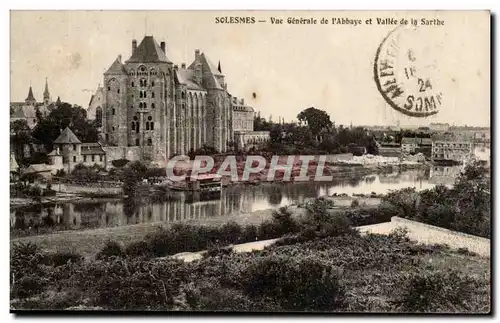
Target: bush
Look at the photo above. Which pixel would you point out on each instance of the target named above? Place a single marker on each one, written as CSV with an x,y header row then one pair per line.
x,y
119,163
297,284
28,286
110,249
62,258
355,204
437,292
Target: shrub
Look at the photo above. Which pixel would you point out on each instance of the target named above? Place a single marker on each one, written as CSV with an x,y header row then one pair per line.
x,y
119,163
297,284
355,203
62,258
110,249
437,292
28,286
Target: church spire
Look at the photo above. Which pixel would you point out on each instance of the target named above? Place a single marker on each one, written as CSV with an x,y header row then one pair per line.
x,y
46,93
31,98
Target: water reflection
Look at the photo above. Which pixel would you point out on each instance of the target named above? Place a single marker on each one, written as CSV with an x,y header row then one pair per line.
x,y
234,200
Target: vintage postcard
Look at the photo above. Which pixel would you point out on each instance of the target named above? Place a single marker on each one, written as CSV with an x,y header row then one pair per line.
x,y
250,161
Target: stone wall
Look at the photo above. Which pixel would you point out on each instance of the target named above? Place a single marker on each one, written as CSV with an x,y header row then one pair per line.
x,y
114,153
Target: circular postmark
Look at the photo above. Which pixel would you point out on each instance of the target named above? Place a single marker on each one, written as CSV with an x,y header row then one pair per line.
x,y
406,72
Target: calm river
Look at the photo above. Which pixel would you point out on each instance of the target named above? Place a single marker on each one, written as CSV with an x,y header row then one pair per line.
x,y
234,200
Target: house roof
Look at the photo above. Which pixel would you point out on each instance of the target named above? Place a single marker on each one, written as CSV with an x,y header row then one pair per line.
x,y
67,137
22,111
148,51
38,168
116,68
54,153
92,148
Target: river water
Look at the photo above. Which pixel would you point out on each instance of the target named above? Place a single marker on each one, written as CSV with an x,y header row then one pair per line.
x,y
234,200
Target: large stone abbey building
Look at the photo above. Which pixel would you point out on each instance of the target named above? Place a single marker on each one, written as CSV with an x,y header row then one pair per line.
x,y
152,109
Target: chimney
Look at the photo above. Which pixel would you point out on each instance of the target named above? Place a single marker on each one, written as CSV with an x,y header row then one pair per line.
x,y
134,46
196,54
162,46
242,102
183,65
57,150
120,58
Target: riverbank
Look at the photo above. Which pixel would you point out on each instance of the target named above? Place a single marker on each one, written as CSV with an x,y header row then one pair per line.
x,y
88,241
339,171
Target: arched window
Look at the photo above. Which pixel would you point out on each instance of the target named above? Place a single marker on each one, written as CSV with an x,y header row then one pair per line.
x,y
147,125
140,94
152,105
150,142
133,125
183,95
113,111
132,84
137,127
137,141
118,90
152,126
153,95
145,105
152,83
144,94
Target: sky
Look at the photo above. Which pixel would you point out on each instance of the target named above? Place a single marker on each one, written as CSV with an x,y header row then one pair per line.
x,y
289,67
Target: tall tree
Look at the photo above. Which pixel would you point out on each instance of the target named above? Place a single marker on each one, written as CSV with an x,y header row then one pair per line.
x,y
316,119
65,115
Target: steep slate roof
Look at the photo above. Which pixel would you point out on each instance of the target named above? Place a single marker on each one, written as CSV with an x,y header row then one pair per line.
x,y
148,51
186,76
208,65
22,111
67,137
116,68
30,97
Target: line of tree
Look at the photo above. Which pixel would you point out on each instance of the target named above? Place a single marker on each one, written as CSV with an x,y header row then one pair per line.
x,y
315,133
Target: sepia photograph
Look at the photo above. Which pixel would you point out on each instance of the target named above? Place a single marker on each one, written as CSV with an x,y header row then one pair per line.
x,y
250,161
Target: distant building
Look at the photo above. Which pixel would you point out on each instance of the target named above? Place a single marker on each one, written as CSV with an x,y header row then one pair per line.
x,y
74,152
27,110
439,127
94,111
451,148
409,145
246,140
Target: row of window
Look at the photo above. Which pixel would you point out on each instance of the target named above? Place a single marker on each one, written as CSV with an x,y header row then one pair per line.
x,y
149,142
93,158
136,126
101,158
452,145
144,94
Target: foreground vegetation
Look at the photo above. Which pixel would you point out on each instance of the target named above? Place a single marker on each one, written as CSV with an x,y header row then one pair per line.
x,y
320,264
346,272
